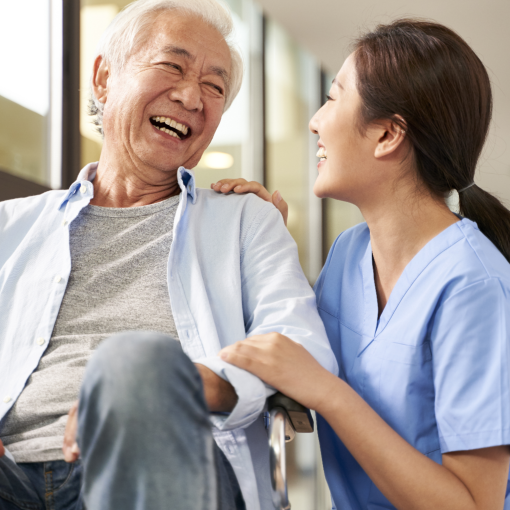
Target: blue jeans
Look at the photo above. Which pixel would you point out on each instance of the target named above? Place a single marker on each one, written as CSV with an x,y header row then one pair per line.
x,y
144,435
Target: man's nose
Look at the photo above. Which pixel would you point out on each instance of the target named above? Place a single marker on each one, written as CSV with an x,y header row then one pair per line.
x,y
189,94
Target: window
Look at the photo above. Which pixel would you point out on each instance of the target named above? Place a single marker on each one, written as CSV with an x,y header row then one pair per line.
x,y
292,80
25,90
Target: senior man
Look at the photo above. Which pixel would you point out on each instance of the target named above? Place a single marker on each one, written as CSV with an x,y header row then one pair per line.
x,y
134,246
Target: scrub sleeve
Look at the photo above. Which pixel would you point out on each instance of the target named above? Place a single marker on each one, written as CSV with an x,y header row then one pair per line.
x,y
471,377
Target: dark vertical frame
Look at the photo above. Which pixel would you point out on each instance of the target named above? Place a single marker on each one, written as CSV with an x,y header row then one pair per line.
x,y
71,140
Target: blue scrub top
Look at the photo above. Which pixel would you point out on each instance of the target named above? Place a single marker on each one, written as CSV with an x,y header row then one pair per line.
x,y
435,366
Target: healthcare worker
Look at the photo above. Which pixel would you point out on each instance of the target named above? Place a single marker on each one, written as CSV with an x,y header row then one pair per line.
x,y
416,301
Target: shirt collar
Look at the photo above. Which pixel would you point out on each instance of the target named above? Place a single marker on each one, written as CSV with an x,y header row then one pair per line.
x,y
185,178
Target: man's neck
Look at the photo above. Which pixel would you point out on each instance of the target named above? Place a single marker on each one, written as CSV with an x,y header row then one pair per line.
x,y
120,182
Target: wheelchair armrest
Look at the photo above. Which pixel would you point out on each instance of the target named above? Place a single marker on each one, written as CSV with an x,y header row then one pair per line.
x,y
286,417
299,416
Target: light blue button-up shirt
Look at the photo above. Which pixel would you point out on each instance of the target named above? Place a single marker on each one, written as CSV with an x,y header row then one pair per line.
x,y
435,366
233,272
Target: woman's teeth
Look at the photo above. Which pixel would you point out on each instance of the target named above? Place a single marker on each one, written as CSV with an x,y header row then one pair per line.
x,y
322,153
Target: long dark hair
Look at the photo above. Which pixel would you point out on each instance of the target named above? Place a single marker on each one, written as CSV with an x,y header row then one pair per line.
x,y
429,76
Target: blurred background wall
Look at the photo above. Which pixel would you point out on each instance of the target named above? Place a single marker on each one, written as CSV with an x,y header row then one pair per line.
x,y
292,50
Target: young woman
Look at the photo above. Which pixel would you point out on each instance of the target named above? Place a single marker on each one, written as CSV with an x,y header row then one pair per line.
x,y
416,301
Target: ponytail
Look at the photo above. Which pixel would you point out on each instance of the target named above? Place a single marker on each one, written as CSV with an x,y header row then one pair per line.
x,y
429,76
491,216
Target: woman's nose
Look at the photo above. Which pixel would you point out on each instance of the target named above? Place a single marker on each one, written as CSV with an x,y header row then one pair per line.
x,y
313,126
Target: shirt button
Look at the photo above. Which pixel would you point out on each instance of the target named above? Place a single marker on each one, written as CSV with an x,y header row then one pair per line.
x,y
57,279
41,341
64,223
83,188
7,399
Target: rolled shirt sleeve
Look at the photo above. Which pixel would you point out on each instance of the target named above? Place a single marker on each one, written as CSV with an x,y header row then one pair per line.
x,y
471,359
276,298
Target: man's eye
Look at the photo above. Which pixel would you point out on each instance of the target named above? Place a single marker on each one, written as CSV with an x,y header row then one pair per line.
x,y
173,66
217,88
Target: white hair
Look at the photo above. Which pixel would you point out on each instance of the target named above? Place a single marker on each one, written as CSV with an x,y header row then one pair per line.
x,y
123,36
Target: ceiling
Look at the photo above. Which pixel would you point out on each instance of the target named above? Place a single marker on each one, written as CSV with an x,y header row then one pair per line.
x,y
326,28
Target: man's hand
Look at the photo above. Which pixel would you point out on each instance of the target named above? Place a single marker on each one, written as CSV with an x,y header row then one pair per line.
x,y
2,449
219,394
70,446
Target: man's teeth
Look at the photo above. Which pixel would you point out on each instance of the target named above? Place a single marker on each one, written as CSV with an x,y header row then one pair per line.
x,y
172,123
322,153
168,132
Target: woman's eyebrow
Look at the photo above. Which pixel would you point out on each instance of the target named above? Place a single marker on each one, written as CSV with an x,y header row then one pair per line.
x,y
337,83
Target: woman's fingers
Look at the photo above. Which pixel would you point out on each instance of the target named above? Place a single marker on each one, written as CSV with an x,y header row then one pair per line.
x,y
227,185
281,205
242,186
249,355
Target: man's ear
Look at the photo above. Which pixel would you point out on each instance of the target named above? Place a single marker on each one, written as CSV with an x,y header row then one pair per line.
x,y
100,77
391,137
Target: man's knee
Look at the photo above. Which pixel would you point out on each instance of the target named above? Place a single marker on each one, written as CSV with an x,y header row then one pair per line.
x,y
138,369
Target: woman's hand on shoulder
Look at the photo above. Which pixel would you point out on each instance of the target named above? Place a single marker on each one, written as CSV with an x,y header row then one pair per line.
x,y
243,186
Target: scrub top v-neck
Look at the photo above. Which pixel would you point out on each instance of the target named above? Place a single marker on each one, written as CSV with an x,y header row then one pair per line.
x,y
435,365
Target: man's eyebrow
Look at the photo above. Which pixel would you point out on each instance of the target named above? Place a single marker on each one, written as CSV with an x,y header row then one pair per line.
x,y
221,72
182,52
177,50
336,82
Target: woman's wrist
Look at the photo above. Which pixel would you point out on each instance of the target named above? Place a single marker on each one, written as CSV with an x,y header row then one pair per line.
x,y
331,388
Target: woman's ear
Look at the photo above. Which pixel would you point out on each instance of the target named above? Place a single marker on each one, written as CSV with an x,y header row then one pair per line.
x,y
392,136
100,77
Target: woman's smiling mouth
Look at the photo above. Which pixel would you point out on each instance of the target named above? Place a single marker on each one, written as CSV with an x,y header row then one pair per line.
x,y
322,154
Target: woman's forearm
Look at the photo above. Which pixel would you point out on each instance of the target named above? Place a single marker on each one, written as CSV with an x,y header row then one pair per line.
x,y
470,480
409,479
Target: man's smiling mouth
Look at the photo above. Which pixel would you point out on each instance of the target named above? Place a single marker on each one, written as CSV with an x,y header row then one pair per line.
x,y
171,127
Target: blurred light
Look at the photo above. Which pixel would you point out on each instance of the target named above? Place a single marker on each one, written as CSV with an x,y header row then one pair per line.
x,y
218,160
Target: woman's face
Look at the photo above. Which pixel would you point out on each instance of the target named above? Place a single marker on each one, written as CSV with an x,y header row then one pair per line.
x,y
345,172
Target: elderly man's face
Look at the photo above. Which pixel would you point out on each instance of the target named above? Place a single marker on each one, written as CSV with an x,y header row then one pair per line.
x,y
164,107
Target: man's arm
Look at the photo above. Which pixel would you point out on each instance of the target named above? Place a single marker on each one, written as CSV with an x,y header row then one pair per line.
x,y
276,297
219,394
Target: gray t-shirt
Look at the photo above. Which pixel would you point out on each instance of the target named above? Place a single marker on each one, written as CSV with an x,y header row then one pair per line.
x,y
118,282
